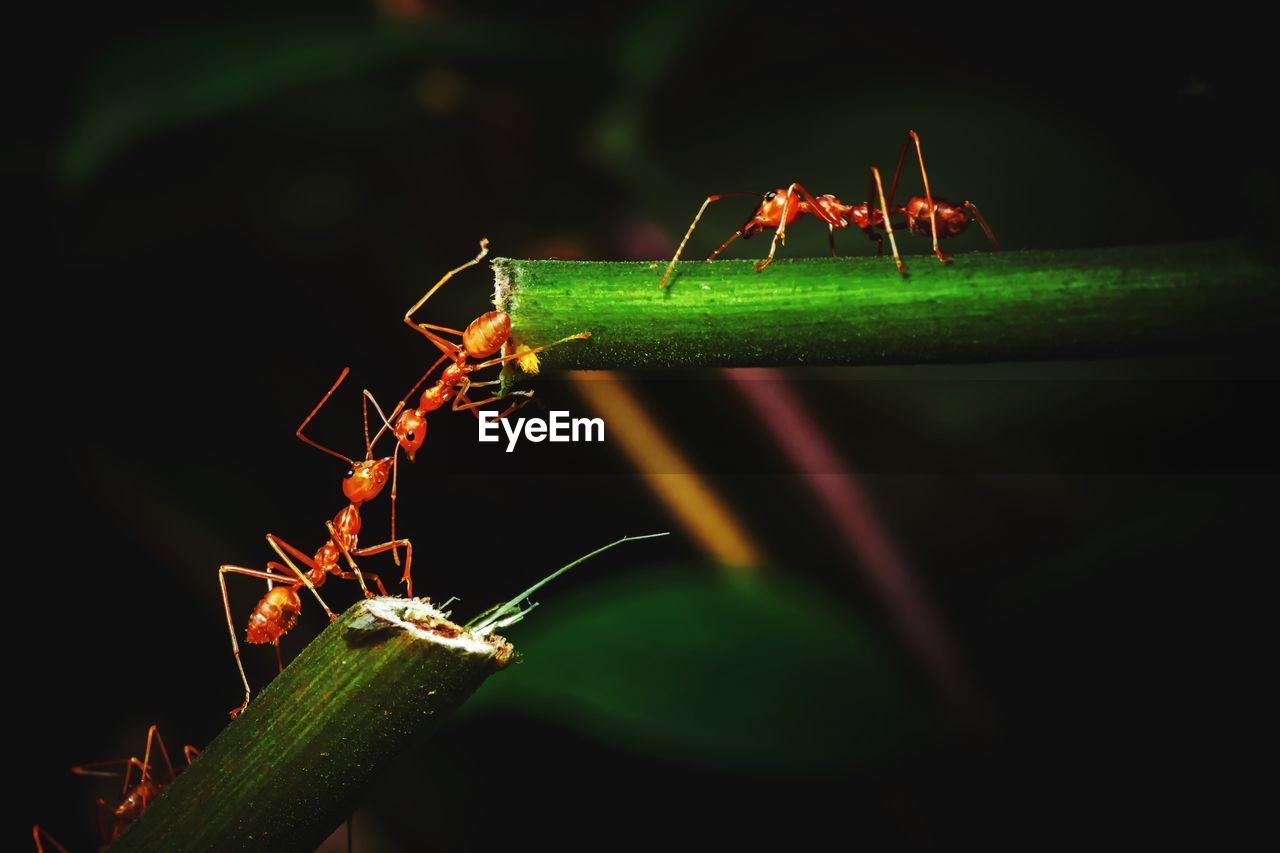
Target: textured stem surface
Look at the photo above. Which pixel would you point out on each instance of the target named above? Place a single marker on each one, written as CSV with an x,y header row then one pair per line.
x,y
985,306
285,774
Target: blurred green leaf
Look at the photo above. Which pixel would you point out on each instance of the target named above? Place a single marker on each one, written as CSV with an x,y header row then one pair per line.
x,y
161,81
752,673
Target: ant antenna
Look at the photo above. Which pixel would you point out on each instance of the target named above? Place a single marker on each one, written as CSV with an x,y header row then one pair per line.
x,y
386,423
319,406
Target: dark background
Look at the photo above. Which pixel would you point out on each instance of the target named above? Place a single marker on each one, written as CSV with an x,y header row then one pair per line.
x,y
212,269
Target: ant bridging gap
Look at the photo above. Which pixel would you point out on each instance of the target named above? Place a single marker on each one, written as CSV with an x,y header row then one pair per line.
x,y
277,612
927,215
483,338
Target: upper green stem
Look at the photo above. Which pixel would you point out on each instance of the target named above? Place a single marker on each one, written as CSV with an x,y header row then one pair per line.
x,y
987,306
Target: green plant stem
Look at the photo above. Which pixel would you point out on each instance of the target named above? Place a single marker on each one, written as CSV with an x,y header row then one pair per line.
x,y
290,770
986,306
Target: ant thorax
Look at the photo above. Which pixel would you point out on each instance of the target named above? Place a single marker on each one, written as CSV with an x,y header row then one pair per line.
x,y
841,212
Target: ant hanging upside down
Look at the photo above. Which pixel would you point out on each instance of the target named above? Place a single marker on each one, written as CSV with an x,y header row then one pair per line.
x,y
277,612
927,215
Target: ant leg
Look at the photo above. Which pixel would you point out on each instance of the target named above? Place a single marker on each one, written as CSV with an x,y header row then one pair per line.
x,y
395,455
191,753
447,347
888,225
154,732
333,536
933,213
276,544
694,224
395,487
581,336
377,581
37,833
528,398
104,833
781,231
977,214
391,546
897,170
734,236
408,315
395,463
319,406
474,405
223,571
92,769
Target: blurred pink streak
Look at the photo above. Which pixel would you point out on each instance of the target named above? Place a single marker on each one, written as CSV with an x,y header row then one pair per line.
x,y
786,417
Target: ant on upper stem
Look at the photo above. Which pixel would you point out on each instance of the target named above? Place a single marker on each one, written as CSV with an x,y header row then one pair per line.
x,y
135,797
483,338
927,215
277,612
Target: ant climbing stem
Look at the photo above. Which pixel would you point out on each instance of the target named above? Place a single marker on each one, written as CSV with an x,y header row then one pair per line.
x,y
926,215
277,612
135,796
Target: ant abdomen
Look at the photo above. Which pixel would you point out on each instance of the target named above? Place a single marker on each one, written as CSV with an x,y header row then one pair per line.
x,y
486,334
275,615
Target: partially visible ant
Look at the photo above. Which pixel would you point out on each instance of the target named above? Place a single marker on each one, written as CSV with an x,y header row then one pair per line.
x,y
135,796
484,337
278,611
926,215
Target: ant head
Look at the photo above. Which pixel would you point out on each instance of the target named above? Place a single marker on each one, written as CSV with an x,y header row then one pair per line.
x,y
834,206
769,214
411,430
365,479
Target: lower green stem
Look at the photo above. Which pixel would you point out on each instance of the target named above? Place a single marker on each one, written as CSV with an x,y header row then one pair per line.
x,y
292,768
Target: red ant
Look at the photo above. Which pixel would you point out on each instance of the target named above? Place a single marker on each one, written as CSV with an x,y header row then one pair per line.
x,y
483,337
277,612
926,215
135,797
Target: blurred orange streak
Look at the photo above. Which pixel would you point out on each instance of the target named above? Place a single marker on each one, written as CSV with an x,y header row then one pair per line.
x,y
686,494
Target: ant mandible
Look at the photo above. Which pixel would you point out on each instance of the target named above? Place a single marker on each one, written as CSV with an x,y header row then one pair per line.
x,y
926,215
135,797
483,337
277,612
